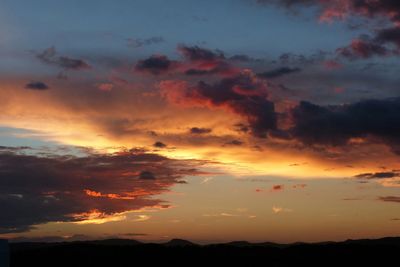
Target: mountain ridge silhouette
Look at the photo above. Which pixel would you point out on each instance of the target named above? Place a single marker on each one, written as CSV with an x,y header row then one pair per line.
x,y
180,252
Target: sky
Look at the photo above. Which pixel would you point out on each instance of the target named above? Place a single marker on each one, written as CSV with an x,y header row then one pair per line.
x,y
258,120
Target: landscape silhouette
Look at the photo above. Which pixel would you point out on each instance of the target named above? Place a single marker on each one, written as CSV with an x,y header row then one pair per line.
x,y
178,252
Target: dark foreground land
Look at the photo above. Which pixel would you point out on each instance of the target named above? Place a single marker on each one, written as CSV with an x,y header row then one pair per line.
x,y
119,252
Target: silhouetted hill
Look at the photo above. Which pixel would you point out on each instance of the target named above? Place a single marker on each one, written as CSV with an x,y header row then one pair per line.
x,y
178,252
113,242
375,242
263,244
179,243
239,244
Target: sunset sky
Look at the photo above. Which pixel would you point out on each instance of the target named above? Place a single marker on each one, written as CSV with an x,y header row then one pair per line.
x,y
212,121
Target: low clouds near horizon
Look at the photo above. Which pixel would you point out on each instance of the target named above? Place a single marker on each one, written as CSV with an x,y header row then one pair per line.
x,y
36,189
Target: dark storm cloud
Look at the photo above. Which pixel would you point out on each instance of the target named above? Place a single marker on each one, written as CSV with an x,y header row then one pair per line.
x,y
197,130
275,73
49,56
37,85
335,125
242,94
156,64
36,189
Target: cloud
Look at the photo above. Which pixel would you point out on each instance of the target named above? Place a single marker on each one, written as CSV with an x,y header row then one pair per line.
x,y
386,42
136,43
277,209
347,9
287,3
156,65
49,56
378,175
147,175
389,35
300,59
277,188
98,217
390,199
201,61
37,85
209,69
337,124
332,65
37,188
196,62
386,179
243,58
72,238
197,130
233,143
341,9
276,73
230,215
195,53
240,127
52,239
207,180
351,199
159,144
363,49
242,94
299,186
105,87
4,149
142,218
